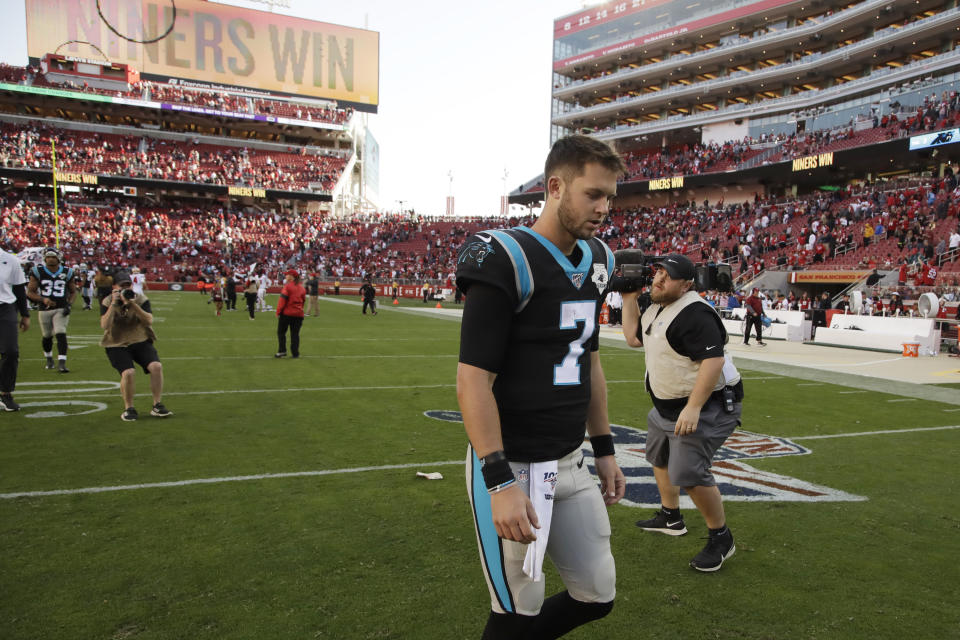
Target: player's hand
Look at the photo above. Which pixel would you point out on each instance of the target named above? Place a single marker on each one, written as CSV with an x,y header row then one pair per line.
x,y
612,483
687,422
513,515
48,303
24,323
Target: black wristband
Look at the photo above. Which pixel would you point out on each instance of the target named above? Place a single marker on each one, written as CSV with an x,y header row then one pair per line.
x,y
496,470
602,445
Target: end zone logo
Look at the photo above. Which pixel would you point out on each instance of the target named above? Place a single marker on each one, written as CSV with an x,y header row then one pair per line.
x,y
737,480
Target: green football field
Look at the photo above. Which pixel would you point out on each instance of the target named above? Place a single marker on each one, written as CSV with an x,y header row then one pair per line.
x,y
281,499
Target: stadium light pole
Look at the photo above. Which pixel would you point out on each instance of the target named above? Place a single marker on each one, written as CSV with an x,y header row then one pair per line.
x,y
505,207
401,205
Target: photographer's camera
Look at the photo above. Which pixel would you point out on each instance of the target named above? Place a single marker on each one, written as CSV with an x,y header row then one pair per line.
x,y
637,270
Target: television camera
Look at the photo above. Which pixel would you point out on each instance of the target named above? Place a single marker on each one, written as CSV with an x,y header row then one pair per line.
x,y
637,270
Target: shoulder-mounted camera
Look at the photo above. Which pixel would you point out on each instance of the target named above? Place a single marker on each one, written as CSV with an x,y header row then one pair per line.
x,y
636,271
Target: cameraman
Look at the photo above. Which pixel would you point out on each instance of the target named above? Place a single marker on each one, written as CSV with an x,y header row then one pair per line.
x,y
696,393
128,338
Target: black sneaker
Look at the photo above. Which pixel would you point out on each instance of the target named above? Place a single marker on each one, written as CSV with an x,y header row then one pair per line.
x,y
662,524
63,367
160,411
129,415
49,364
762,344
719,548
7,403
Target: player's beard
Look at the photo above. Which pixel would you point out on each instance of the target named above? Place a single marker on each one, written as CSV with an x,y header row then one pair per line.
x,y
663,297
569,221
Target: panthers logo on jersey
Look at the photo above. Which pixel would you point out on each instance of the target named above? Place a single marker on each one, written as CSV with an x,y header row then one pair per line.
x,y
476,252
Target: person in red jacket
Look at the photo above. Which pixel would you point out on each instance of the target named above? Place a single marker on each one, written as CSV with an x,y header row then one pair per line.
x,y
290,314
754,308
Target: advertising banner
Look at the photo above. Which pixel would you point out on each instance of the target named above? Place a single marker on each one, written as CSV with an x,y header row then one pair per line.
x,y
215,44
827,277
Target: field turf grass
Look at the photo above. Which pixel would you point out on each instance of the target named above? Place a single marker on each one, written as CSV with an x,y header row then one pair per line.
x,y
380,553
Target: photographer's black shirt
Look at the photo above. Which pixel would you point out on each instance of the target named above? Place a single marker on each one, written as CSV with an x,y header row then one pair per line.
x,y
697,332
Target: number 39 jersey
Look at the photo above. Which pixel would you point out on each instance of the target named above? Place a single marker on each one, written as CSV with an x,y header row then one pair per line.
x,y
543,386
53,284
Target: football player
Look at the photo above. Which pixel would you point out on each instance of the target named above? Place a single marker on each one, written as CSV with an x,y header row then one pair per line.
x,y
529,381
138,280
52,286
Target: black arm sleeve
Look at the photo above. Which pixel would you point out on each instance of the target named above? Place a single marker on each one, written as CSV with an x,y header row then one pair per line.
x,y
485,329
20,291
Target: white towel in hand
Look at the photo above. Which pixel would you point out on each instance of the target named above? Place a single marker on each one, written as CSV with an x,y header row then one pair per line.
x,y
543,482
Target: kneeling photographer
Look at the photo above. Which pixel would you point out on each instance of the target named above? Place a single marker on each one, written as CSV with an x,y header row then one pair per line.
x,y
695,389
128,338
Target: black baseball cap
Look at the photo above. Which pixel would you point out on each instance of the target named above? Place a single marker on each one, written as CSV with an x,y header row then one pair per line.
x,y
121,276
679,267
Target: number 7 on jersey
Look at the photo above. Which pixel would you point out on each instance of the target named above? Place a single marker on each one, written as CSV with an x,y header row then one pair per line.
x,y
568,371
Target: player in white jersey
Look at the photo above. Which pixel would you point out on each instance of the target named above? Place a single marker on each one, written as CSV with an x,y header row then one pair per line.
x,y
137,281
262,283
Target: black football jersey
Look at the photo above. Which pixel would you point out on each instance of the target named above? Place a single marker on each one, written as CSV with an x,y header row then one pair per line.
x,y
543,387
53,284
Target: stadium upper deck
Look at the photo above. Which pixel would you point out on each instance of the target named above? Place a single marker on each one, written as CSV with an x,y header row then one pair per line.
x,y
654,75
645,71
176,140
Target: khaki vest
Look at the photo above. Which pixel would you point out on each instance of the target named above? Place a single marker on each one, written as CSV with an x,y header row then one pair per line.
x,y
126,328
669,374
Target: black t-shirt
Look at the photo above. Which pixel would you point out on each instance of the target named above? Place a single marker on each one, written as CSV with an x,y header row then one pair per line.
x,y
313,286
531,316
697,332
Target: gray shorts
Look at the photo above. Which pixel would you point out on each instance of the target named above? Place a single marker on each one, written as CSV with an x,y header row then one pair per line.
x,y
578,545
53,321
688,458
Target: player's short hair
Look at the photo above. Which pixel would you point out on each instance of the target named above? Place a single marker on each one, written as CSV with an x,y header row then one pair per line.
x,y
569,157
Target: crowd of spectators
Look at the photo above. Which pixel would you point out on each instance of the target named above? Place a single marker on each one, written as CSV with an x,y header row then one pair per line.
x,y
933,114
28,146
176,94
879,225
882,225
183,241
683,160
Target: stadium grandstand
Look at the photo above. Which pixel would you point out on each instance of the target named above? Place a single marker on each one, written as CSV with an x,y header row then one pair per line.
x,y
741,147
776,134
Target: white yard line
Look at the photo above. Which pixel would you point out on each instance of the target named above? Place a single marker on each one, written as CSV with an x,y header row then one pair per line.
x,y
327,472
874,433
185,483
